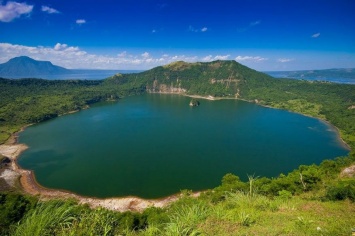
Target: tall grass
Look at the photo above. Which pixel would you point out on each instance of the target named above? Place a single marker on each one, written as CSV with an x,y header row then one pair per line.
x,y
185,219
94,222
46,219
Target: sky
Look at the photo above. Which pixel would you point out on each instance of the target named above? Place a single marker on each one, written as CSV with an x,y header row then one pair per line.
x,y
266,35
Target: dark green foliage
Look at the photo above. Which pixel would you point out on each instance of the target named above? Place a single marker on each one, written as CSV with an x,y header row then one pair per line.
x,y
230,183
13,207
303,179
155,216
343,189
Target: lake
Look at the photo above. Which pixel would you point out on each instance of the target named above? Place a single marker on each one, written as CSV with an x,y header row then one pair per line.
x,y
155,145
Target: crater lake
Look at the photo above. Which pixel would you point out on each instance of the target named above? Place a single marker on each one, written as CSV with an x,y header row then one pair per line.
x,y
155,145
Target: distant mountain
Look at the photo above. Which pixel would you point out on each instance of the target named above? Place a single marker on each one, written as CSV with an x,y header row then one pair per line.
x,y
27,67
342,75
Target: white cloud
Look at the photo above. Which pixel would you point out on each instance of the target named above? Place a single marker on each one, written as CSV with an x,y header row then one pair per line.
x,y
122,54
316,35
192,29
49,10
80,21
283,60
255,23
60,46
221,57
12,10
250,58
207,58
145,55
214,58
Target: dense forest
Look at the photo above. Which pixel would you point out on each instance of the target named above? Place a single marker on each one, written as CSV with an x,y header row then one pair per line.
x,y
311,200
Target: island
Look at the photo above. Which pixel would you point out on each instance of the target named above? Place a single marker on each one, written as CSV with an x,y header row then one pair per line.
x,y
194,103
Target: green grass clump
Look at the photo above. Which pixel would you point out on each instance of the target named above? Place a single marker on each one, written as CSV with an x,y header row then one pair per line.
x,y
47,218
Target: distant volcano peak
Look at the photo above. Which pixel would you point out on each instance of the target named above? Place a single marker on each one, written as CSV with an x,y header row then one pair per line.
x,y
27,67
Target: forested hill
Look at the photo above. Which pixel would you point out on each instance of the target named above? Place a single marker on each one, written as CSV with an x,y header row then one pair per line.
x,y
27,67
218,78
30,100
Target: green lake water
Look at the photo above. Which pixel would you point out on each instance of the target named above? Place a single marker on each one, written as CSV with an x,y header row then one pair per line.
x,y
155,145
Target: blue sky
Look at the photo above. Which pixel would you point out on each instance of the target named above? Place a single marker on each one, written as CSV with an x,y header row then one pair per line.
x,y
141,34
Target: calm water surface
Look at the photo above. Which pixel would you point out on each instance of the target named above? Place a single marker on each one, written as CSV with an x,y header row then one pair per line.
x,y
156,145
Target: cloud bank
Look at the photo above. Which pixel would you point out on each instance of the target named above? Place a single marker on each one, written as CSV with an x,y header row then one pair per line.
x,y
12,10
74,58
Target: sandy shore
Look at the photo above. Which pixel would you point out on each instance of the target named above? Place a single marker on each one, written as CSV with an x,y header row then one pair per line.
x,y
30,186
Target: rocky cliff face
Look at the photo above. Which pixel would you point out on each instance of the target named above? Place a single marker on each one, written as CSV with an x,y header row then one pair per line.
x,y
157,87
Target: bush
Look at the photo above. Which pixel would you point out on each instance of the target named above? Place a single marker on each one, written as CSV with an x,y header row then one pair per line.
x,y
13,207
344,189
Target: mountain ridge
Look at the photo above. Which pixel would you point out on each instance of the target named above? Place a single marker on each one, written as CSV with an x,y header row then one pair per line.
x,y
217,78
24,66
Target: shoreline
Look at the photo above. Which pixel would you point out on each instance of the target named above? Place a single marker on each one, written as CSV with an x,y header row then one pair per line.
x,y
12,149
335,129
30,186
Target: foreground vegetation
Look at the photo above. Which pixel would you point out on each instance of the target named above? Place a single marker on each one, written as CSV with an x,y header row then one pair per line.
x,y
319,203
312,200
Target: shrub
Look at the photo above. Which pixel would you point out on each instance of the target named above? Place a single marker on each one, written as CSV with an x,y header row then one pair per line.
x,y
13,207
341,190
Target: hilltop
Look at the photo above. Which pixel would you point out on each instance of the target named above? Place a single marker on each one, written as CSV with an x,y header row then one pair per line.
x,y
217,78
27,67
